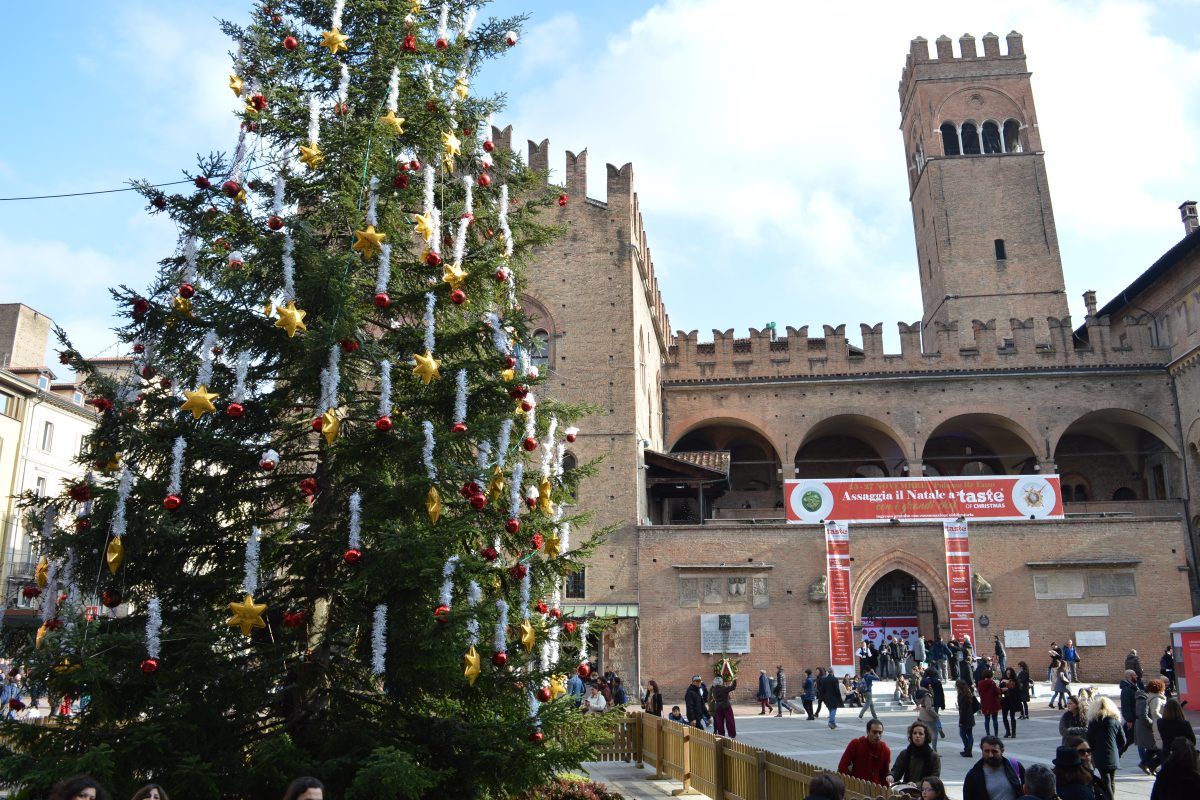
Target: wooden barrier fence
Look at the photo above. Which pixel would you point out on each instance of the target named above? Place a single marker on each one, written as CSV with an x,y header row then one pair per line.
x,y
719,768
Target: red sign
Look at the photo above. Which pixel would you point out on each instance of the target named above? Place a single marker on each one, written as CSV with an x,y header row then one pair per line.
x,y
1187,665
811,501
877,629
841,614
958,579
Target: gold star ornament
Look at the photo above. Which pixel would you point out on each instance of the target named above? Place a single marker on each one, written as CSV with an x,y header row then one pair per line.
x,y
330,425
41,575
335,40
558,686
311,155
454,275
424,223
528,636
114,554
427,367
368,242
291,319
181,306
496,485
235,83
246,615
433,505
451,147
552,547
199,402
545,505
461,88
471,665
392,121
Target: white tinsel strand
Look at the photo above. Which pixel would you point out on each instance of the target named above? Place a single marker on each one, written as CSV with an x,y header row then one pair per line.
x,y
448,580
330,377
385,388
393,98
379,639
277,204
50,604
153,626
48,522
500,338
239,158
548,448
487,128
289,267
435,243
467,21
250,579
560,452
555,645
68,582
499,638
545,660
514,504
336,18
427,197
373,201
531,416
383,273
314,118
523,358
534,707
564,537
239,383
502,444
189,260
343,90
204,375
504,229
355,521
474,594
124,486
526,584
464,222
460,397
583,634
427,452
483,457
443,21
430,302
176,481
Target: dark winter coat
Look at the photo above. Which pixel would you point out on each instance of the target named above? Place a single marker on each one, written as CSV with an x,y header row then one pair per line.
x,y
934,687
764,687
914,764
1134,663
1071,725
810,688
1129,692
989,696
1169,729
967,709
975,784
829,690
1106,736
939,651
1174,783
721,695
780,683
693,702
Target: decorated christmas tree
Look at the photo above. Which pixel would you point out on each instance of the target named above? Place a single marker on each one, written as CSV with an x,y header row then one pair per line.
x,y
324,527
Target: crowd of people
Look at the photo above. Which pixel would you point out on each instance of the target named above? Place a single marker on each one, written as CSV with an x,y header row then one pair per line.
x,y
83,787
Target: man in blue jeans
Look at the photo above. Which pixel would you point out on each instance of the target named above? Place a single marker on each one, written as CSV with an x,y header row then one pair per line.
x,y
867,682
829,690
1072,659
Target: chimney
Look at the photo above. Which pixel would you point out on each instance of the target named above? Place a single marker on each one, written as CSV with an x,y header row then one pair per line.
x,y
1187,212
1089,302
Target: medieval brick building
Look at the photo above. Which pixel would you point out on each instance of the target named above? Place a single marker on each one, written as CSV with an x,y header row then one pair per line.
x,y
995,378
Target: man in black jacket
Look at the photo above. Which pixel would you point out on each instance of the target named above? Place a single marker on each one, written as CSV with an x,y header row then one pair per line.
x,y
993,777
693,701
829,689
1129,690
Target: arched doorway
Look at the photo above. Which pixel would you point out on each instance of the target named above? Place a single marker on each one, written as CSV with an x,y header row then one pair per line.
x,y
899,602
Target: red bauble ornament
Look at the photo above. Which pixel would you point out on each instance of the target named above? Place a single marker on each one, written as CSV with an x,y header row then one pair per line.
x,y
172,502
584,670
382,300
459,427
259,102
383,424
150,666
478,501
235,262
510,38
137,348
542,608
415,165
111,598
500,659
433,259
318,423
537,737
562,199
81,493
352,556
489,553
571,437
489,145
350,345
231,188
555,613
54,624
484,180
543,696
458,297
538,540
531,501
442,614
509,362
31,592
441,43
518,571
293,619
469,489
526,406
140,306
290,43
530,444
518,392
267,464
410,44
235,410
431,106
274,223
83,524
341,109
202,182
187,290
308,486
159,202
164,383
513,525
400,181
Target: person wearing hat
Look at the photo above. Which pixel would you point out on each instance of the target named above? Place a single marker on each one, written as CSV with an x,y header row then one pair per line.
x,y
1102,788
763,696
1072,781
693,702
723,721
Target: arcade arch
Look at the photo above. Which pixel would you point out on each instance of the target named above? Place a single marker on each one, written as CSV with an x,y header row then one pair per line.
x,y
850,446
1119,455
979,444
755,478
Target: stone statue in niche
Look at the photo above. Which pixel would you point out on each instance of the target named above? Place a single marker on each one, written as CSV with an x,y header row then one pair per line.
x,y
818,590
980,587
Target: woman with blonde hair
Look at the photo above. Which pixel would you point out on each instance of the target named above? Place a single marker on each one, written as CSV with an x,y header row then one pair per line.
x,y
1106,737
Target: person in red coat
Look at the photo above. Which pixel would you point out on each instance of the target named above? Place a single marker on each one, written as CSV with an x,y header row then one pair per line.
x,y
867,757
989,703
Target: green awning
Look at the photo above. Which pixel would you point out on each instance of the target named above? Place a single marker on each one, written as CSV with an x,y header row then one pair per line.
x,y
618,610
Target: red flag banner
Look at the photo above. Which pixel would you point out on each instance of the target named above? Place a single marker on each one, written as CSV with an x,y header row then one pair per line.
x,y
958,578
841,614
814,500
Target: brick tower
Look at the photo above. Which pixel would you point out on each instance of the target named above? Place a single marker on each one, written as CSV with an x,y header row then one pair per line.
x,y
984,225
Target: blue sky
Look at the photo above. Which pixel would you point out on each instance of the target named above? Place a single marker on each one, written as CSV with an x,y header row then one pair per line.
x,y
764,138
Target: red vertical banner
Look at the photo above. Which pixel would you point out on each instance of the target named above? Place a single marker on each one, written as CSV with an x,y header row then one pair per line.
x,y
958,579
841,614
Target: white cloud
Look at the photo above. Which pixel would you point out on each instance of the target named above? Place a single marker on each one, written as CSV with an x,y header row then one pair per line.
x,y
548,45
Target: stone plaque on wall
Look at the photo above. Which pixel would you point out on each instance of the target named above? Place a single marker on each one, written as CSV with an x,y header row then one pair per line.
x,y
724,633
759,592
1016,639
1087,609
1111,584
1091,639
689,591
713,590
1058,586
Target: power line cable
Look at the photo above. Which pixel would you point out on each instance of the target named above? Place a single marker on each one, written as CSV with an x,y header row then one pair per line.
x,y
85,194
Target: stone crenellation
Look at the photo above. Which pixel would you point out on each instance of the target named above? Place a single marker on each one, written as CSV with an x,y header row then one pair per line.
x,y
992,62
955,347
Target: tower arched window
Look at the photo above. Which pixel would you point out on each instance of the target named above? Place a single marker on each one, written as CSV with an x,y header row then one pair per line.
x,y
991,138
1012,136
970,139
539,349
950,139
